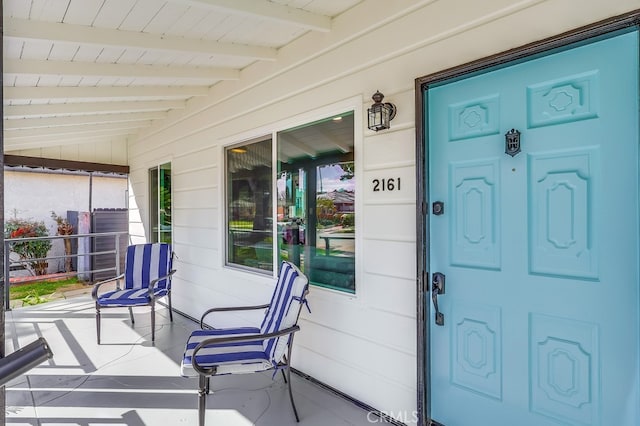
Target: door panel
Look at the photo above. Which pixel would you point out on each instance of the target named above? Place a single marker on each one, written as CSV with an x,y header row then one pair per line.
x,y
540,249
562,239
475,214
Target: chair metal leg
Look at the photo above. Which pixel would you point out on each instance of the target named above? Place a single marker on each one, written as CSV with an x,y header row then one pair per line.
x,y
153,322
287,359
98,322
293,404
202,398
131,315
170,308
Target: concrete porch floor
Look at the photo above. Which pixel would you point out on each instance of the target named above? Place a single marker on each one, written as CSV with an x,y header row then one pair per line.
x,y
129,381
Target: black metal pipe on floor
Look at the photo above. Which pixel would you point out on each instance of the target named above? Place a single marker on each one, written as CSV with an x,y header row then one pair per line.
x,y
24,359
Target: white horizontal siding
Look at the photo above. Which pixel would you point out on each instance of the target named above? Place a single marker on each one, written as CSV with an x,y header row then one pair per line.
x,y
195,218
357,382
390,258
377,153
388,222
362,344
391,294
196,197
190,159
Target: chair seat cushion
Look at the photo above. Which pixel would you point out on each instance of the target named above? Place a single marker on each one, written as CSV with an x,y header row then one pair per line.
x,y
229,358
130,297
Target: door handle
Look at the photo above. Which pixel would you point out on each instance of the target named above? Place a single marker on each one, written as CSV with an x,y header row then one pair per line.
x,y
437,287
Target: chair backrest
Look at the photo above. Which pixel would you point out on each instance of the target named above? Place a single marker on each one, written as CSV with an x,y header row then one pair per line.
x,y
146,262
284,309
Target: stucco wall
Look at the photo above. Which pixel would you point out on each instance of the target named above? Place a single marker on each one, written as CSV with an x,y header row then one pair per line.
x,y
33,196
362,344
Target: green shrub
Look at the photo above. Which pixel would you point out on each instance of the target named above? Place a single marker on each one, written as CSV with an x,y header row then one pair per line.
x,y
348,219
20,228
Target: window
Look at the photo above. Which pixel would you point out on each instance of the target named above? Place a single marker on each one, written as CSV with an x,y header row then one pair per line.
x,y
315,193
316,199
249,205
160,204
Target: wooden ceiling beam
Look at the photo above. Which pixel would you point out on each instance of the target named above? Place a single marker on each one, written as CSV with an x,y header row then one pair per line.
x,y
89,108
42,67
134,92
268,10
81,34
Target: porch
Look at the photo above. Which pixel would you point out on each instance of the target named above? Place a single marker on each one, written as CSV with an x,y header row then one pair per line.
x,y
129,381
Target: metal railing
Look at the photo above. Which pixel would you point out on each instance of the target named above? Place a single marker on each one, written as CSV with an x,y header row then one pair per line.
x,y
11,263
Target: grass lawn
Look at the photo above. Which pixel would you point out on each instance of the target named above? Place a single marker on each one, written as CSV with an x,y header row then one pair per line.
x,y
39,292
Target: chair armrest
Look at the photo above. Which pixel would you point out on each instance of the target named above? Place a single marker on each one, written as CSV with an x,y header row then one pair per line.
x,y
153,283
230,309
234,339
96,286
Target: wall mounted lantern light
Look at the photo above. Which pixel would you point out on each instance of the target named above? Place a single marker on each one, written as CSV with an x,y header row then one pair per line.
x,y
380,114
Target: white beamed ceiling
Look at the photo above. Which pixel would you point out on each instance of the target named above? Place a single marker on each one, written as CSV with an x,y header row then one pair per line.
x,y
96,71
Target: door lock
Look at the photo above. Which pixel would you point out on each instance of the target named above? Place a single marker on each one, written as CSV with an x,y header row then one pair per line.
x,y
437,208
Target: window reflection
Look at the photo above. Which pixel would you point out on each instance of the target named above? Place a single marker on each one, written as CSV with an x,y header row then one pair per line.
x,y
249,213
316,194
160,204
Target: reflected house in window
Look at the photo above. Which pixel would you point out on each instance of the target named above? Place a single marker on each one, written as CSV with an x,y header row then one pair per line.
x,y
343,200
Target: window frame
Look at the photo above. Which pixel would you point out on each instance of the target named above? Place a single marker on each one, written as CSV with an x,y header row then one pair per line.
x,y
353,104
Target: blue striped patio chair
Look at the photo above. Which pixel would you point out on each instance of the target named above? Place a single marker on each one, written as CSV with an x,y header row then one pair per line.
x,y
216,351
147,277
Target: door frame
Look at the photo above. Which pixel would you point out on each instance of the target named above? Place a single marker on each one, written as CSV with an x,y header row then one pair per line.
x,y
630,21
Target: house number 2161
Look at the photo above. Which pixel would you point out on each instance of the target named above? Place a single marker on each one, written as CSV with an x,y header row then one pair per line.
x,y
391,184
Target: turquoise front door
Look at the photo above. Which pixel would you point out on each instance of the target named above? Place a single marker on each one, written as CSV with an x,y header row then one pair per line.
x,y
536,241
